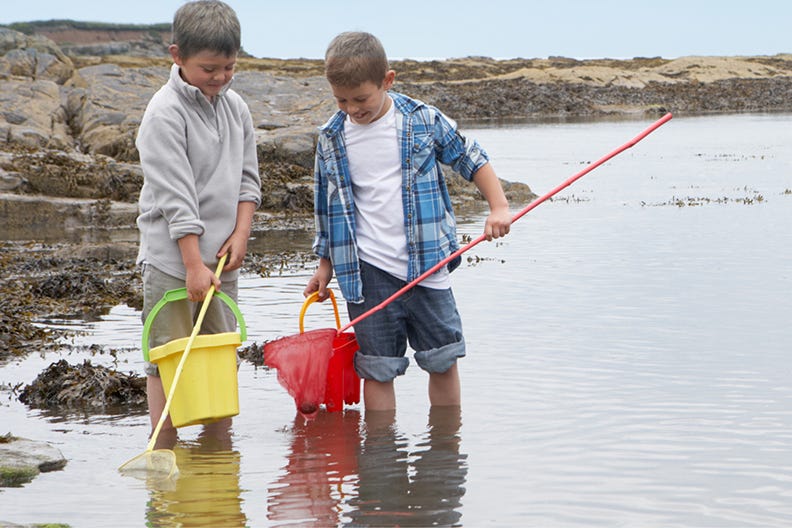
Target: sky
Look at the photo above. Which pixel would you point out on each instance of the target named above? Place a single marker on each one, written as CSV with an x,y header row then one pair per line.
x,y
431,29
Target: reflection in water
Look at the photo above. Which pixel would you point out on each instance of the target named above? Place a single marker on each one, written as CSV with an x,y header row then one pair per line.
x,y
207,491
322,462
399,488
337,477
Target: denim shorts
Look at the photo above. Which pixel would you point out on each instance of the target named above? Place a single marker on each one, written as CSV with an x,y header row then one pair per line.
x,y
176,319
426,317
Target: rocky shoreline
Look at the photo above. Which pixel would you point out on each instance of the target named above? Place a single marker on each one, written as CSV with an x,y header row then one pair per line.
x,y
69,114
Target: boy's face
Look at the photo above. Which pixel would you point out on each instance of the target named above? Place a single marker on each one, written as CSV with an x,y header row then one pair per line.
x,y
208,71
364,103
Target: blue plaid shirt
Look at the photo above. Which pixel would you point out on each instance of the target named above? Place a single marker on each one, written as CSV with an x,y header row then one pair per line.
x,y
427,137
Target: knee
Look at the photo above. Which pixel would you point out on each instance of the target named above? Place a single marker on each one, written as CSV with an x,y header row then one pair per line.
x,y
378,368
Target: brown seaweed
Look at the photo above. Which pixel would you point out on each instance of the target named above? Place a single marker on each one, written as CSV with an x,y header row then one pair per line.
x,y
84,386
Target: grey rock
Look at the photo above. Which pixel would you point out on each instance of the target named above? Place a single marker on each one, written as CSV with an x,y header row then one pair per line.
x,y
14,40
99,49
22,459
14,118
269,125
293,145
107,111
46,124
19,211
10,181
35,64
33,57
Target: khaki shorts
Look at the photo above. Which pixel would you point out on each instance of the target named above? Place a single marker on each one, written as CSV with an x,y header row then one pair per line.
x,y
176,319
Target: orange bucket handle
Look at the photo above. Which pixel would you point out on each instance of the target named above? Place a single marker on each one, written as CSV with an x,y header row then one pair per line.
x,y
312,299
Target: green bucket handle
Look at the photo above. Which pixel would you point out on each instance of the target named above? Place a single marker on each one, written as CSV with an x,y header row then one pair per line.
x,y
181,294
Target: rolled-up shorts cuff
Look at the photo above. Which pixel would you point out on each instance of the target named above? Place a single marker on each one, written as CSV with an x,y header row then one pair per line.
x,y
439,360
380,368
150,368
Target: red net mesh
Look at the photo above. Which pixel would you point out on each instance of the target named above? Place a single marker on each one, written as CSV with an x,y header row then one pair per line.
x,y
302,361
316,367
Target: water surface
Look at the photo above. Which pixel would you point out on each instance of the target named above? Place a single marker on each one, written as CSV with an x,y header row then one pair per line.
x,y
628,364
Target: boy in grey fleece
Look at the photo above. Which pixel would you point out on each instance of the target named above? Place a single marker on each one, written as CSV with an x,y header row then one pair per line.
x,y
201,183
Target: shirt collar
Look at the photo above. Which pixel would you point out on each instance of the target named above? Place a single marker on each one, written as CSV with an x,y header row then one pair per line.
x,y
190,91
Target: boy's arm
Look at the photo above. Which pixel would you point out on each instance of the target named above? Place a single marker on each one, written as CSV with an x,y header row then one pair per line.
x,y
321,246
249,198
466,157
320,280
499,220
163,156
236,244
199,277
250,189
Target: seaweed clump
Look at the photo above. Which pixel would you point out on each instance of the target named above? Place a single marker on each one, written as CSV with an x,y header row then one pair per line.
x,y
253,353
84,386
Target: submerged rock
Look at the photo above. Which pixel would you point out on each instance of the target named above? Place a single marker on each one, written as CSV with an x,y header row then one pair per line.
x,y
22,459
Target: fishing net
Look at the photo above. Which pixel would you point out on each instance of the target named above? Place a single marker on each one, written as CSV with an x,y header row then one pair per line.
x,y
302,361
157,464
316,367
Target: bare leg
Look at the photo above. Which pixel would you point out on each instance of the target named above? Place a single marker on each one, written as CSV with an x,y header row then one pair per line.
x,y
379,422
444,388
156,403
379,396
217,434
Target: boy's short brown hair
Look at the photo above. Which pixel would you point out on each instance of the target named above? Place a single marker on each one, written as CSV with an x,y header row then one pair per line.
x,y
355,57
206,25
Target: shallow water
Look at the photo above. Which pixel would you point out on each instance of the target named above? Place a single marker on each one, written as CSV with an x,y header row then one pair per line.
x,y
628,364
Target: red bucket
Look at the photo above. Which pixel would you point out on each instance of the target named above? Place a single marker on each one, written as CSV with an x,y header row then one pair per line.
x,y
343,383
316,367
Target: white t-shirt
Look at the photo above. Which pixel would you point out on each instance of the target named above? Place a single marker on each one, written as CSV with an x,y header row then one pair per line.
x,y
373,152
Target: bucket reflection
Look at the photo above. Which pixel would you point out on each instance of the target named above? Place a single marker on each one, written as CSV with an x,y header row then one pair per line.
x,y
319,476
207,491
400,486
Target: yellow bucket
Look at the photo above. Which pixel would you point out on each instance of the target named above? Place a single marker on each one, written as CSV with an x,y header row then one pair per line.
x,y
208,388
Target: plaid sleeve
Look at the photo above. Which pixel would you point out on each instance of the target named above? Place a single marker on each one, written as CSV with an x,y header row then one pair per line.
x,y
462,154
321,241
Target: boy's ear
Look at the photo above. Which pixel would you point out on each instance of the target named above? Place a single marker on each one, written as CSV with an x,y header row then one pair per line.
x,y
174,52
387,83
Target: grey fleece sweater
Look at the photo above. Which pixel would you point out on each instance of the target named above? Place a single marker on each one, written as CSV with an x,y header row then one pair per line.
x,y
199,161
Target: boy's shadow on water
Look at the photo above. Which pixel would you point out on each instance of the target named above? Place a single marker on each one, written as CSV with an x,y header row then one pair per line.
x,y
206,493
344,472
